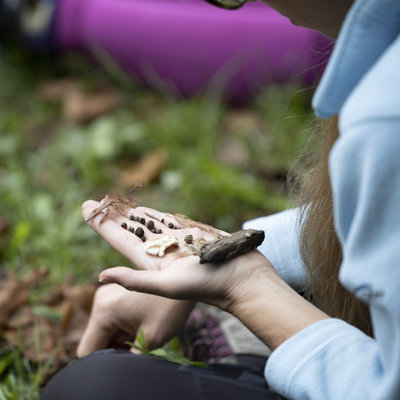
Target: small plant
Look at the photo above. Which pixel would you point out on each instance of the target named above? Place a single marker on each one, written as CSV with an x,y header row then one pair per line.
x,y
169,352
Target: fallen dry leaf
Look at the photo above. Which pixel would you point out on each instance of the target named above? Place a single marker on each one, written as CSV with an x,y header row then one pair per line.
x,y
231,151
38,340
57,89
242,121
50,328
21,318
14,292
145,170
4,227
76,310
57,294
79,106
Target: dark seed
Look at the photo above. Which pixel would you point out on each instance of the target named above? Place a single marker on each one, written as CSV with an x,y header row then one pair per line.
x,y
136,219
124,225
131,229
143,239
150,224
158,231
142,221
188,239
139,232
162,221
132,217
171,225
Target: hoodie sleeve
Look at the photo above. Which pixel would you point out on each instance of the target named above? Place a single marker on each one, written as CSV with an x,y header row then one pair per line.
x,y
281,245
330,359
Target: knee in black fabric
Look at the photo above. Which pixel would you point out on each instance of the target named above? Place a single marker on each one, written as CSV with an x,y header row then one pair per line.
x,y
118,375
121,375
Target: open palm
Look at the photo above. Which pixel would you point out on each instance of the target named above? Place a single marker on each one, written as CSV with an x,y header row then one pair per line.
x,y
178,274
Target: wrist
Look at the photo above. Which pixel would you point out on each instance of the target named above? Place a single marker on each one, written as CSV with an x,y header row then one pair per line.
x,y
270,308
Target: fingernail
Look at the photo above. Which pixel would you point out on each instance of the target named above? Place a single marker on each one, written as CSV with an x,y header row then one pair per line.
x,y
103,279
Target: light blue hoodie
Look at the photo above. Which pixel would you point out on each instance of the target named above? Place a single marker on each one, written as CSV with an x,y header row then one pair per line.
x,y
331,359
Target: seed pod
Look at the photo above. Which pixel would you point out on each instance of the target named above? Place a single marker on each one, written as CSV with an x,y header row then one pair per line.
x,y
139,232
150,224
188,239
124,225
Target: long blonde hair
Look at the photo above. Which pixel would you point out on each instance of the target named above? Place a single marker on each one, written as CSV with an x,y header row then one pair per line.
x,y
319,246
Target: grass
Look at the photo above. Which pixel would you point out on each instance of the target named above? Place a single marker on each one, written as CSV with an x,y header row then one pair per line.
x,y
225,165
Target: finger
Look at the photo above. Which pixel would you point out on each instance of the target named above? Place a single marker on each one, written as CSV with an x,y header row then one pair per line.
x,y
119,238
96,337
166,219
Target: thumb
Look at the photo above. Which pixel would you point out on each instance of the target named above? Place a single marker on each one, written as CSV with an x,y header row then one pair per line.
x,y
95,337
151,282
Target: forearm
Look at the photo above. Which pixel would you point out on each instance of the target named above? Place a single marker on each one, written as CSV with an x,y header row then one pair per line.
x,y
271,309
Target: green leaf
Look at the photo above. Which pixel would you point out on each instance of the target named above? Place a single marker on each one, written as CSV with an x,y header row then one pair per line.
x,y
141,340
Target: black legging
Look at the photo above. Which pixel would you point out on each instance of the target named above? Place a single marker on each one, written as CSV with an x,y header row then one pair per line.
x,y
120,375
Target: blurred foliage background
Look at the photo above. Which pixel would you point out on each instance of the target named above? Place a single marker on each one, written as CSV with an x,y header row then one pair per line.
x,y
217,163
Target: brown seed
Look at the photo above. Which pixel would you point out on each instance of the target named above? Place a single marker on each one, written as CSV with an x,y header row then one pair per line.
x,y
188,239
124,225
142,221
162,220
131,229
150,224
139,232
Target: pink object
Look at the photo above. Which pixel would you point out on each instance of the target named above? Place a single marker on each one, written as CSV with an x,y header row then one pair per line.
x,y
189,46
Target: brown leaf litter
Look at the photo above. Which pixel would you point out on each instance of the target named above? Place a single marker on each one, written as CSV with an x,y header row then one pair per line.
x,y
48,328
145,170
79,105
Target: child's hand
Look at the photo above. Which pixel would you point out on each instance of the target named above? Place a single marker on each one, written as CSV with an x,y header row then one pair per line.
x,y
175,275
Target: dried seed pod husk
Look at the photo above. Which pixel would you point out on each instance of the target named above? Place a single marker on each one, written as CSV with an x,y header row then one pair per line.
x,y
139,232
150,225
188,239
158,245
